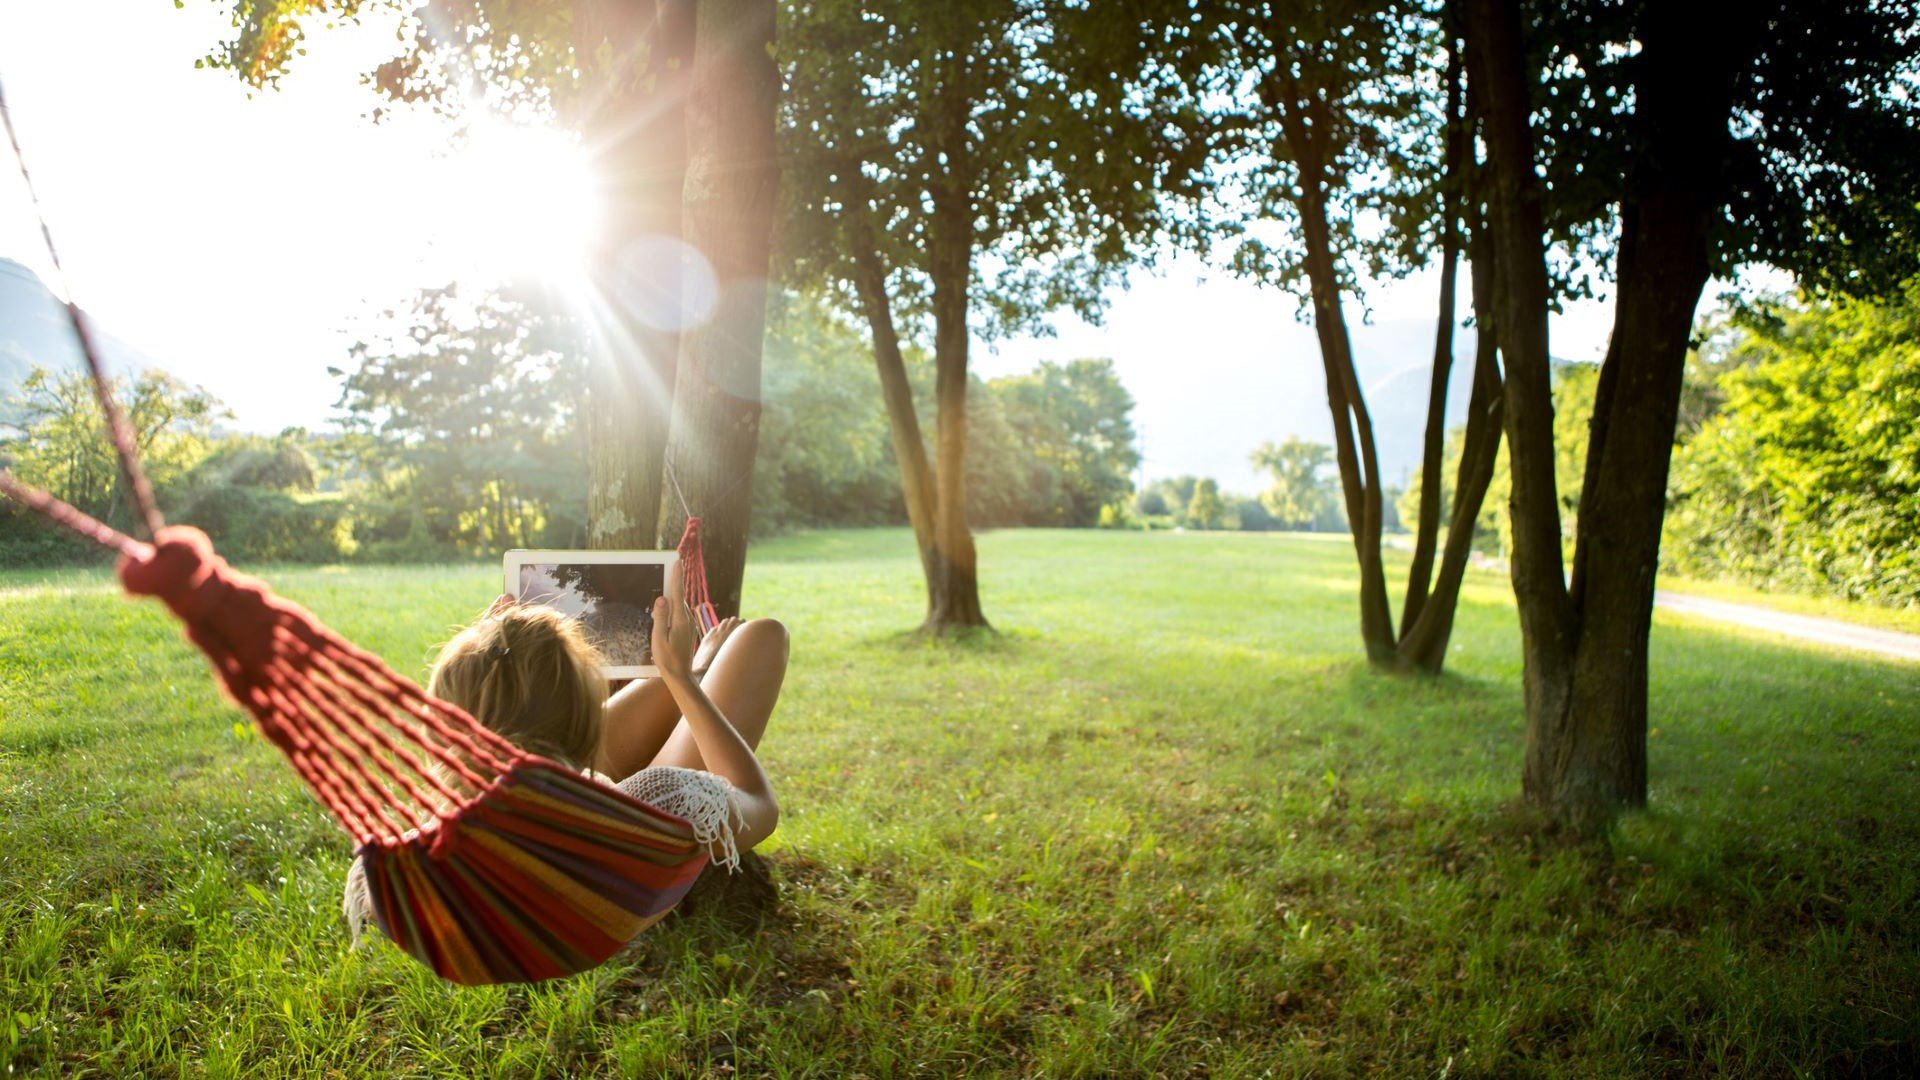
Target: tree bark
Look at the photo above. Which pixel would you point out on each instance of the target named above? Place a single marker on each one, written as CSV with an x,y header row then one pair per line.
x,y
954,584
1497,65
732,184
1674,193
637,134
1423,644
1354,449
903,421
1426,538
1586,647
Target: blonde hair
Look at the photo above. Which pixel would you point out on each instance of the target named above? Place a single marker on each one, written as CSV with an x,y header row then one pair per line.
x,y
529,673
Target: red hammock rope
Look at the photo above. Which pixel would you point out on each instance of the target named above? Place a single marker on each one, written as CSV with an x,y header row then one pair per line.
x,y
693,577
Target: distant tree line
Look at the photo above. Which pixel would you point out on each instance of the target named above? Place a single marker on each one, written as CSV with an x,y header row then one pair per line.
x,y
459,435
1301,495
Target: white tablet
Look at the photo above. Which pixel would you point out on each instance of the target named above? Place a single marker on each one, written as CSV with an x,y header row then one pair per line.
x,y
610,592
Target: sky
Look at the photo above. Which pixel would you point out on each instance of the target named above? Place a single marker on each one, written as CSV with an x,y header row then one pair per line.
x,y
239,239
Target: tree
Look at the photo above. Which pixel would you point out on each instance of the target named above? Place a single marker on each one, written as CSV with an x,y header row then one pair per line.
x,y
732,188
61,442
1780,143
1250,515
624,74
472,406
1074,421
1049,447
282,463
1363,165
824,457
1299,493
1206,510
1177,491
958,166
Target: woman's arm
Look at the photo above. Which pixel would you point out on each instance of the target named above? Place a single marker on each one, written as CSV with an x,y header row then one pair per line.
x,y
725,753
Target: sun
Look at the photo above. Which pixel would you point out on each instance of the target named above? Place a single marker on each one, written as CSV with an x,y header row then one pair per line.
x,y
516,203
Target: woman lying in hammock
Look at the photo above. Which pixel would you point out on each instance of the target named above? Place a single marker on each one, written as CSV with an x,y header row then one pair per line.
x,y
684,742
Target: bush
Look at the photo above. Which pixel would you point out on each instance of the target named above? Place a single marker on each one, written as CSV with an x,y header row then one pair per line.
x,y
1805,476
28,542
273,526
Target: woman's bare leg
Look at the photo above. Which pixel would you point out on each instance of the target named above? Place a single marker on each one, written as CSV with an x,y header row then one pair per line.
x,y
744,684
639,719
636,724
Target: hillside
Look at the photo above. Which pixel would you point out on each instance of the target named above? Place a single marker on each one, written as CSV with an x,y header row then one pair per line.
x,y
34,332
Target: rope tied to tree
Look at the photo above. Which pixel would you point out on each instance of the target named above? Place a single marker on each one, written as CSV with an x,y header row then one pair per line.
x,y
693,563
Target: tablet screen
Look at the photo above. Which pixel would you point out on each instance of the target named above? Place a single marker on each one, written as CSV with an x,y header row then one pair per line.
x,y
613,601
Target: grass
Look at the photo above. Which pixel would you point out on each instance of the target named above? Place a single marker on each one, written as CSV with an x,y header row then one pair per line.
x,y
1164,823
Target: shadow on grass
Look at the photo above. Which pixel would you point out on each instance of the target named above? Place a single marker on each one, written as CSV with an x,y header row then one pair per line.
x,y
959,641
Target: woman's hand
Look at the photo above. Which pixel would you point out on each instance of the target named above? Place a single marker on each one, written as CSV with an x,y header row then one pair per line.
x,y
674,634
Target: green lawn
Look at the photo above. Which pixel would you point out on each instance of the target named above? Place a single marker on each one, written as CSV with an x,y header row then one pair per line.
x,y
1164,823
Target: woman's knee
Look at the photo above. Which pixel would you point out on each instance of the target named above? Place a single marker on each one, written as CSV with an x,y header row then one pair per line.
x,y
765,636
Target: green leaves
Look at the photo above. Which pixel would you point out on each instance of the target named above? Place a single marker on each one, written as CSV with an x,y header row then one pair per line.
x,y
1332,104
464,411
1037,128
63,445
1808,473
1300,495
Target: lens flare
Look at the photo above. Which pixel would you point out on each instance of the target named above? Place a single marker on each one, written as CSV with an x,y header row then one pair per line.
x,y
665,283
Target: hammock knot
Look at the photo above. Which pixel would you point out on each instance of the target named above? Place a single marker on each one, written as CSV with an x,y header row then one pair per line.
x,y
182,563
184,573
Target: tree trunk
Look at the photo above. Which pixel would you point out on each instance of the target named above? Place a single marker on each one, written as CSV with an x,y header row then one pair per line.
x,y
1433,450
1423,644
954,584
1352,427
1586,647
732,184
903,422
637,134
1305,121
1497,65
1674,193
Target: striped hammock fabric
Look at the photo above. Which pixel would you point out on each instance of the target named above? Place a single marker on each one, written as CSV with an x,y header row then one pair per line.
x,y
546,875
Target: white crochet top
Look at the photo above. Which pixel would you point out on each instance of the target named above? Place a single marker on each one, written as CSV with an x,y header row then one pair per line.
x,y
703,799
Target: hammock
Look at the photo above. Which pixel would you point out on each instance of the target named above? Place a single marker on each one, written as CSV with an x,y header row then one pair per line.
x,y
484,862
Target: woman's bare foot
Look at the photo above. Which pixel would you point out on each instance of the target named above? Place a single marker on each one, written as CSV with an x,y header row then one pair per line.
x,y
710,645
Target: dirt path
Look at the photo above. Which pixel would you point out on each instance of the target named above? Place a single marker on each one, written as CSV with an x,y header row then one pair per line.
x,y
1843,635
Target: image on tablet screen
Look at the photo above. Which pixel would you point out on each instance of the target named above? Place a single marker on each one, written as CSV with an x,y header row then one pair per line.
x,y
613,601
